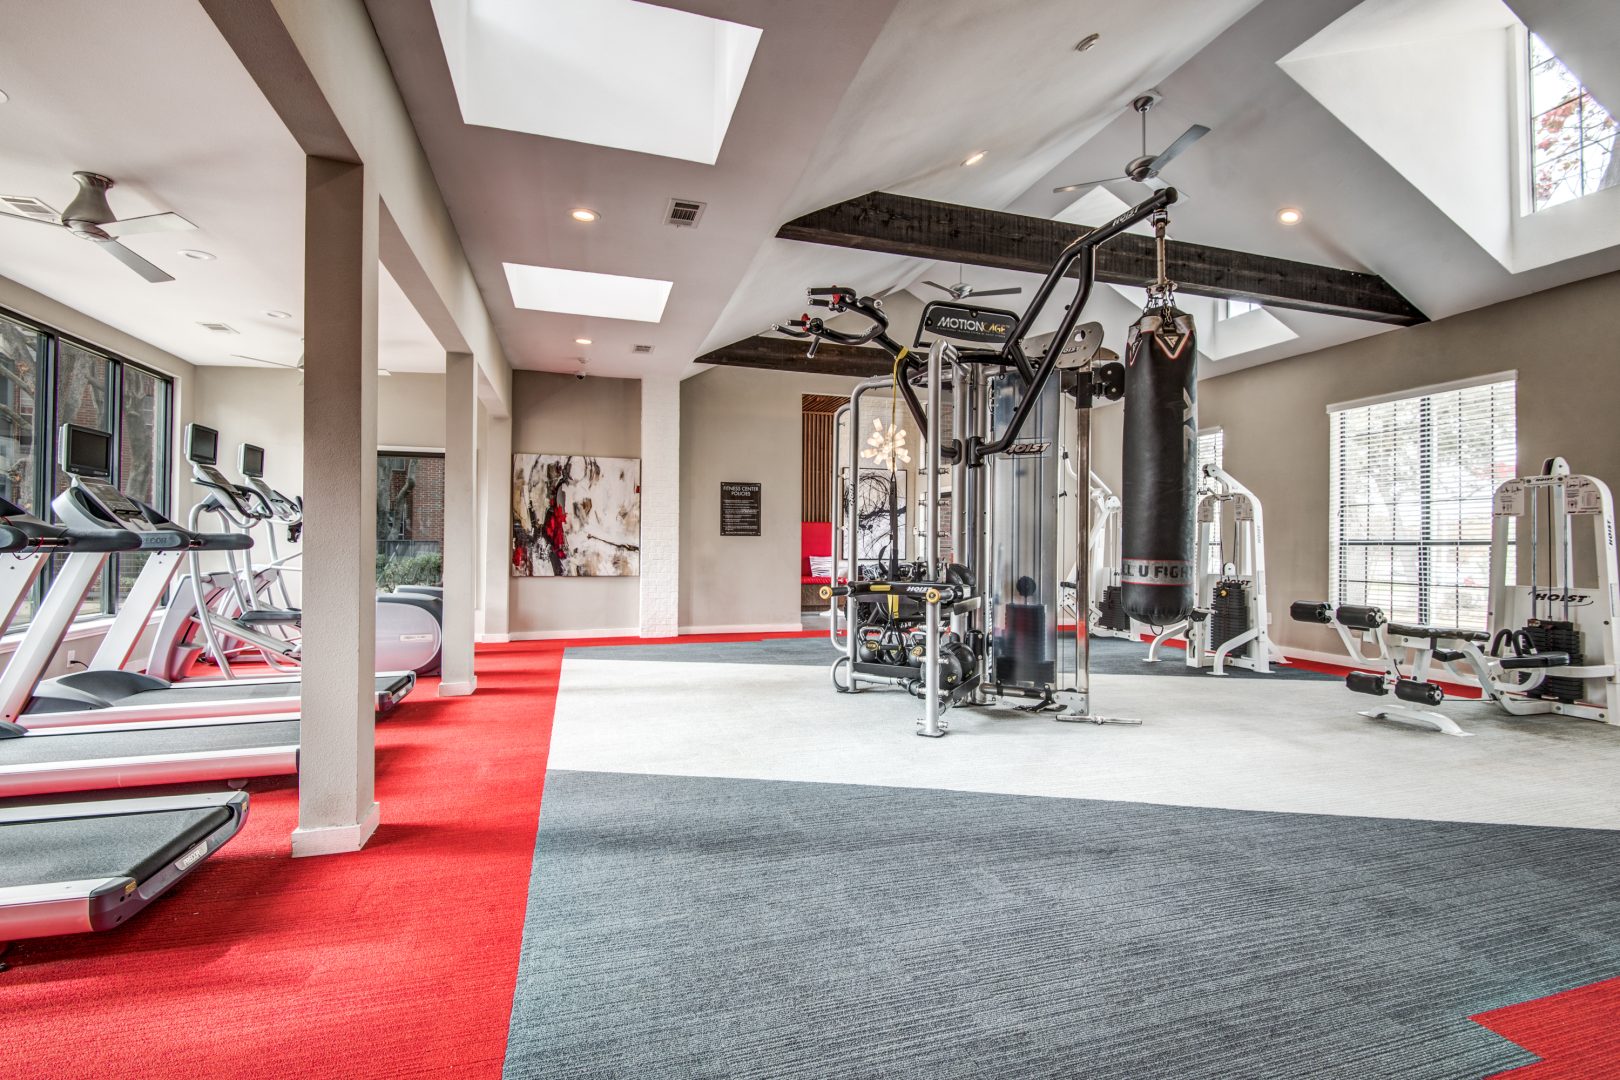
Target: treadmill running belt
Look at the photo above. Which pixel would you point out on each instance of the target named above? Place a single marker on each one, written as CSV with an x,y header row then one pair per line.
x,y
47,749
132,845
184,694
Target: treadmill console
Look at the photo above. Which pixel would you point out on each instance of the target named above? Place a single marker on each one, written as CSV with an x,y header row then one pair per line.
x,y
85,454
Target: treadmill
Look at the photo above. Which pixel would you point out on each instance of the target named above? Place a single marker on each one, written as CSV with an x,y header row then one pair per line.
x,y
106,694
128,754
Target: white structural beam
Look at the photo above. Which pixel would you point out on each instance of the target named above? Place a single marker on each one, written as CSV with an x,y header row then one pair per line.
x,y
660,507
461,550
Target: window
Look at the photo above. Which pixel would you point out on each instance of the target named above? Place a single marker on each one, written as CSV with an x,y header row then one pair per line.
x,y
1231,309
1571,135
1411,486
1211,445
410,519
47,380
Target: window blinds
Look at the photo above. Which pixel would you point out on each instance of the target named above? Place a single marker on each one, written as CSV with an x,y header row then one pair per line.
x,y
1411,485
1211,444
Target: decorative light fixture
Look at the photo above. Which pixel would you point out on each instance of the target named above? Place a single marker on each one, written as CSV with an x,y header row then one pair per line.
x,y
973,158
886,447
200,256
1289,215
279,314
584,213
582,341
1086,43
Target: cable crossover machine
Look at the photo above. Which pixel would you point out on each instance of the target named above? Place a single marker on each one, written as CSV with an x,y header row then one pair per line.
x,y
983,625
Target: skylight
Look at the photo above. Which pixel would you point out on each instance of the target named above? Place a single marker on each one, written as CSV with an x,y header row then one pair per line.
x,y
1571,135
617,73
578,292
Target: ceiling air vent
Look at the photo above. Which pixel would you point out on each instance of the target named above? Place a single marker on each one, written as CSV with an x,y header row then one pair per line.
x,y
28,206
641,350
684,212
218,327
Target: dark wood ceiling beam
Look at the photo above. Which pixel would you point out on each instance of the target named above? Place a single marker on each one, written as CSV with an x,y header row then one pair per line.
x,y
787,354
944,232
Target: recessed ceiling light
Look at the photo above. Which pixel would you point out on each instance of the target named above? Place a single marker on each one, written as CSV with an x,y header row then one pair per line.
x,y
279,314
200,256
1087,42
583,213
579,292
1288,215
974,158
582,341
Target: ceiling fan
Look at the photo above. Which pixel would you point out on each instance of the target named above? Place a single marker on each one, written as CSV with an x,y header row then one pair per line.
x,y
298,367
1145,169
962,290
90,218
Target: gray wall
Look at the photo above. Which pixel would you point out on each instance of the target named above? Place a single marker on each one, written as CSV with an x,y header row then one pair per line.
x,y
559,414
740,424
1561,342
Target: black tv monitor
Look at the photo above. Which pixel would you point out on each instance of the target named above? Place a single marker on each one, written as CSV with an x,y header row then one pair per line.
x,y
250,461
84,451
202,444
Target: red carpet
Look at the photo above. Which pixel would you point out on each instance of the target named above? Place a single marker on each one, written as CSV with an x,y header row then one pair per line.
x,y
1576,1034
397,961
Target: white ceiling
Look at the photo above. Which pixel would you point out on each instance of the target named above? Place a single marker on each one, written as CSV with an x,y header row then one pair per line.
x,y
173,118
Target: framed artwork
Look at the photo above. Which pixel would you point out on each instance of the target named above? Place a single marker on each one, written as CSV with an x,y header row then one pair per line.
x,y
575,516
870,503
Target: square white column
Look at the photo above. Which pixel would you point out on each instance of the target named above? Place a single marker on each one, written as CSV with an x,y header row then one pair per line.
x,y
660,507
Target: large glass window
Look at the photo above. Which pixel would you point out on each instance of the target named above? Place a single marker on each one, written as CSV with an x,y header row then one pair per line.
x,y
1571,135
410,519
46,381
1411,487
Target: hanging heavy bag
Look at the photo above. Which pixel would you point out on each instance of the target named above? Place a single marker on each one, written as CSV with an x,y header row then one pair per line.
x,y
1160,467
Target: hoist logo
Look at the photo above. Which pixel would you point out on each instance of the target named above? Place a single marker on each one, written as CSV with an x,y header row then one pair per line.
x,y
1029,449
1573,599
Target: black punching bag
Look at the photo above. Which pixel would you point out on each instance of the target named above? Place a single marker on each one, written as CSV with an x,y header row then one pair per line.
x,y
1160,468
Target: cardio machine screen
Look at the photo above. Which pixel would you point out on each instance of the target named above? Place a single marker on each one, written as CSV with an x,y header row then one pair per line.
x,y
85,451
250,460
202,444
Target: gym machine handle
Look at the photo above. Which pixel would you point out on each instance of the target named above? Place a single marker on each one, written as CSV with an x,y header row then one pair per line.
x,y
1084,251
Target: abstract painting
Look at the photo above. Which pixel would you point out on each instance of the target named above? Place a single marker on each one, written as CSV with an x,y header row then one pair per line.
x,y
871,503
575,516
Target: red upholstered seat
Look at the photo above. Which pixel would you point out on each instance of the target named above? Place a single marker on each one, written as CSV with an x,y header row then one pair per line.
x,y
815,538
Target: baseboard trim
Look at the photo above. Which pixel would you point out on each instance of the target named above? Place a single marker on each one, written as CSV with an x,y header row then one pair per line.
x,y
549,635
335,839
493,639
745,628
458,689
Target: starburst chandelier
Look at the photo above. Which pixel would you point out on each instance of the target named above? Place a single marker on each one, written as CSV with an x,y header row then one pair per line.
x,y
886,447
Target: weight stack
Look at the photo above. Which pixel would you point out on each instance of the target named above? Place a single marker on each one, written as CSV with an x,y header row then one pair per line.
x,y
1111,612
1229,615
1550,636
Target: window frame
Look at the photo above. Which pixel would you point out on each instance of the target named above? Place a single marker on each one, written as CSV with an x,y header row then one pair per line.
x,y
46,405
1427,541
1528,115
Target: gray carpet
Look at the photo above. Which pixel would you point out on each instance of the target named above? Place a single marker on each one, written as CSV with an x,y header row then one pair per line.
x,y
698,927
1109,656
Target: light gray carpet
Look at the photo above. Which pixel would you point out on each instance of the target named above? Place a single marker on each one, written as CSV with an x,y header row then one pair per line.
x,y
1109,656
701,927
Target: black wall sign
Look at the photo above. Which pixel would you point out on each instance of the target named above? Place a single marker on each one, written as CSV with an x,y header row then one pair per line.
x,y
739,509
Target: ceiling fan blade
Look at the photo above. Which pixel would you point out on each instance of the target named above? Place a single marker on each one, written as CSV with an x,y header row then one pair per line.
x,y
134,262
1158,183
1188,137
1089,183
30,217
148,224
998,292
937,285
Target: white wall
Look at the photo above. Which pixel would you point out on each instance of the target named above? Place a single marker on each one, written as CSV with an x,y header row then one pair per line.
x,y
559,414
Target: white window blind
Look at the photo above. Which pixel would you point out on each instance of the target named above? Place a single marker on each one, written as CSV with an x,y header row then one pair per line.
x,y
1411,485
1211,444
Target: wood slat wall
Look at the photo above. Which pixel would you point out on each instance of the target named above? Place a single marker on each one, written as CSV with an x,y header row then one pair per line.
x,y
817,462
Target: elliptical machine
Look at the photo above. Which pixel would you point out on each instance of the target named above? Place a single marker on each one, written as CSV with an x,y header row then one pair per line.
x,y
984,627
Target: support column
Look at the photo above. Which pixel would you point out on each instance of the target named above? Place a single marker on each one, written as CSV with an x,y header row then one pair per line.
x,y
460,524
660,507
495,505
337,811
